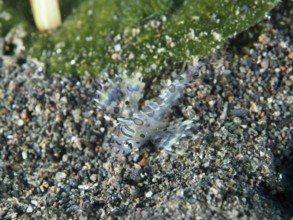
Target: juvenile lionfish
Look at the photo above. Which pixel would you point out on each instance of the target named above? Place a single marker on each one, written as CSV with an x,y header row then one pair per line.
x,y
137,127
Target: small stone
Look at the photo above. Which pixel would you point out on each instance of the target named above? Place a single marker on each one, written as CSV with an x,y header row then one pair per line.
x,y
34,202
263,39
45,185
20,122
29,209
60,176
254,107
212,103
264,63
117,47
76,113
149,194
11,86
24,155
64,99
84,187
143,162
116,56
24,115
237,120
239,112
65,158
290,55
38,109
93,177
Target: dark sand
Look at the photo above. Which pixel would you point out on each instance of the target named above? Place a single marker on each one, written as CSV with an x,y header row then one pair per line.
x,y
54,143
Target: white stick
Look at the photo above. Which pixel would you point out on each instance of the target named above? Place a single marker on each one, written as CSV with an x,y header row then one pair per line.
x,y
46,14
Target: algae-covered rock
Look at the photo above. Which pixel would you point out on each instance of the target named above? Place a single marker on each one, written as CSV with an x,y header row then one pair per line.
x,y
139,35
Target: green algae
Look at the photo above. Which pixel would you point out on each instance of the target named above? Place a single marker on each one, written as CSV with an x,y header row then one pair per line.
x,y
138,35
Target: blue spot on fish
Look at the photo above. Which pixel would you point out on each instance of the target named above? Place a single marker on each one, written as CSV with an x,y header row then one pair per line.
x,y
109,100
132,88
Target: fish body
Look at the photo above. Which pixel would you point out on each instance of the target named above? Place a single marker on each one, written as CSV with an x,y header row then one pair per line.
x,y
146,125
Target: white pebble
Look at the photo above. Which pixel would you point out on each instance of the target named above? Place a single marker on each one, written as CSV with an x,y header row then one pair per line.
x,y
29,209
149,194
20,122
60,175
24,155
34,202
